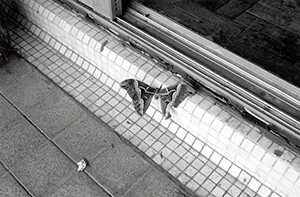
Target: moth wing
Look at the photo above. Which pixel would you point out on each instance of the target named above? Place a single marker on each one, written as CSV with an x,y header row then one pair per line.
x,y
165,104
182,91
173,96
166,95
140,93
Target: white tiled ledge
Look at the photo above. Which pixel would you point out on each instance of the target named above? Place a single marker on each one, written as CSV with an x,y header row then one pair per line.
x,y
210,128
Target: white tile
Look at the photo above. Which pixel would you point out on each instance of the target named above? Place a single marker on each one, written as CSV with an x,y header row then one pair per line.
x,y
150,111
211,140
198,145
247,145
287,155
36,6
258,152
207,151
206,104
31,3
291,175
230,153
217,125
62,49
150,152
119,60
227,131
189,139
234,171
273,179
189,106
194,129
57,46
254,184
222,140
280,167
207,118
92,43
105,52
116,87
181,133
110,82
97,73
86,39
237,138
165,122
173,127
133,70
85,65
264,191
174,171
216,158
157,116
141,74
112,56
284,186
51,16
244,177
80,35
98,47
103,78
225,164
74,57
125,65
203,130
269,159
91,69
79,61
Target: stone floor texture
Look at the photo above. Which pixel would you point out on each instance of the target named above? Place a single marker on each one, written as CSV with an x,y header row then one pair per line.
x,y
44,133
266,32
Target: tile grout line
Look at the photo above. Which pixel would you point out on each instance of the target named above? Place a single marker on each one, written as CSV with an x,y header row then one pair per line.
x,y
137,181
14,176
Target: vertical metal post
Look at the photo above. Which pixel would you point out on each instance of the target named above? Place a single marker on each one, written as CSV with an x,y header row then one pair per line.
x,y
107,8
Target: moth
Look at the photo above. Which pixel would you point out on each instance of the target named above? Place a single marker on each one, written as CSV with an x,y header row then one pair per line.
x,y
142,94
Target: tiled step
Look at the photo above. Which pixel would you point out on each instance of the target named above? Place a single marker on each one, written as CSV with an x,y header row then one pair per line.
x,y
206,146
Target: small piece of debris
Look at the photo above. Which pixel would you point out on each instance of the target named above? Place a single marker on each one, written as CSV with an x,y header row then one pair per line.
x,y
161,155
103,45
82,165
278,153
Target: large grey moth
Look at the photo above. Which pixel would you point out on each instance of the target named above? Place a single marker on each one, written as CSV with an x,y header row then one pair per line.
x,y
142,94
